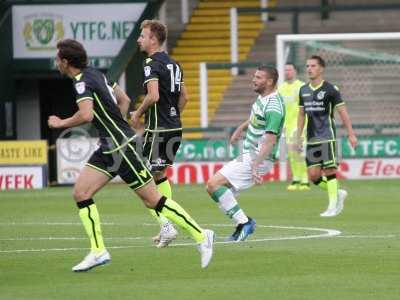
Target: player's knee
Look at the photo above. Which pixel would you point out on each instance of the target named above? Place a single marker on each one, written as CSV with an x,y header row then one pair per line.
x,y
150,203
315,178
149,200
80,195
211,186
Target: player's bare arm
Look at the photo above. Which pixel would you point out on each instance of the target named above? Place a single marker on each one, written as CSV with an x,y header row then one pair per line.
x,y
123,101
183,98
342,110
265,151
238,132
300,128
82,116
151,97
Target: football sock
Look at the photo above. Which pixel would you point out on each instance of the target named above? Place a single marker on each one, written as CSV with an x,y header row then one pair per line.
x,y
298,167
321,183
176,214
226,201
164,187
332,184
294,166
91,222
302,169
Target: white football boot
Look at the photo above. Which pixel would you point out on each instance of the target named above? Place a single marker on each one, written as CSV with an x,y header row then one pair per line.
x,y
330,212
168,233
92,260
342,194
206,248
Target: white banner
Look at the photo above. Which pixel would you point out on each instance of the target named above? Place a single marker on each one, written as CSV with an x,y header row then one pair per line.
x,y
21,177
200,172
102,28
72,155
374,168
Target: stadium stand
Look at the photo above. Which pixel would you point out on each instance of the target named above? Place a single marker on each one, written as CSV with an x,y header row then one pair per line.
x,y
237,98
206,38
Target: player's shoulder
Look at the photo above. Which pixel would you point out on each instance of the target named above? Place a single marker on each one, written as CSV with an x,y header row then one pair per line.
x,y
88,75
149,61
305,87
88,78
283,86
300,83
160,58
330,86
274,102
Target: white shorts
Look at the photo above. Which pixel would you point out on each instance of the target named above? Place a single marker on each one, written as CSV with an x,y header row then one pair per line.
x,y
238,171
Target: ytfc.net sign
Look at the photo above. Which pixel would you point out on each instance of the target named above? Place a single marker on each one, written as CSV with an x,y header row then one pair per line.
x,y
102,28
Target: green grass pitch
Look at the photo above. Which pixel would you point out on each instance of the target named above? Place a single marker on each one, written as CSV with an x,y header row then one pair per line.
x,y
289,256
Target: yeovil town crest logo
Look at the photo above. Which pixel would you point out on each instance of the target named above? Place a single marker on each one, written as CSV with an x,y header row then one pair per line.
x,y
43,31
321,95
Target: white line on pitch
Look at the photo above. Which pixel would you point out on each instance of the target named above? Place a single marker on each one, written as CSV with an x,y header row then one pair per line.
x,y
50,238
387,236
325,233
49,223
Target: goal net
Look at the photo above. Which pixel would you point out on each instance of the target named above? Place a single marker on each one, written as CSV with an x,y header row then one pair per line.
x,y
365,67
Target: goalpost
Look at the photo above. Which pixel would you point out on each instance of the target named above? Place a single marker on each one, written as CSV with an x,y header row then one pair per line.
x,y
365,66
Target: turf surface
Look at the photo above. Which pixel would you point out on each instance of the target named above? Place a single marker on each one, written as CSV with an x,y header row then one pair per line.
x,y
41,239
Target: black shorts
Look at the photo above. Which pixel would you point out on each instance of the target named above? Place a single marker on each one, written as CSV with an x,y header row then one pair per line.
x,y
160,148
323,155
125,163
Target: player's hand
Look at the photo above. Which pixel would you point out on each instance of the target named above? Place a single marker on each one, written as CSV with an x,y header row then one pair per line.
x,y
135,120
353,141
54,122
257,178
299,144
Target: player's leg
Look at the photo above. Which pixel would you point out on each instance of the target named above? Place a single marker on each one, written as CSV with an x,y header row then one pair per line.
x,y
234,176
293,157
336,195
315,174
318,157
167,233
221,191
163,150
135,173
297,162
149,147
90,180
175,213
302,172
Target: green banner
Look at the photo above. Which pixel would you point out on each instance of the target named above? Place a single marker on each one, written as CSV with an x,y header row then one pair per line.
x,y
206,150
372,146
221,150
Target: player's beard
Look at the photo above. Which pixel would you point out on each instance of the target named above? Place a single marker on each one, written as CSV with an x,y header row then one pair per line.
x,y
259,89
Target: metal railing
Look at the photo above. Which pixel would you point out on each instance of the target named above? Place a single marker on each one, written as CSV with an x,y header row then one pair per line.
x,y
324,8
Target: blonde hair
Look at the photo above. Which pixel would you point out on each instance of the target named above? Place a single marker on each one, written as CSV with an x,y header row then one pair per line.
x,y
157,28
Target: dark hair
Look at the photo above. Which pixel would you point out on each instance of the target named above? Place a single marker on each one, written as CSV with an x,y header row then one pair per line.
x,y
157,28
73,52
291,64
271,71
320,60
